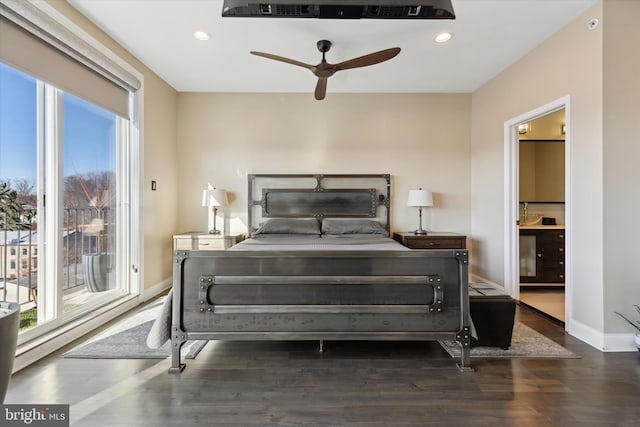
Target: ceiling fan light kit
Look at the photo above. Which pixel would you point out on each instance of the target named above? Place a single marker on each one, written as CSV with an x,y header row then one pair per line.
x,y
324,70
340,9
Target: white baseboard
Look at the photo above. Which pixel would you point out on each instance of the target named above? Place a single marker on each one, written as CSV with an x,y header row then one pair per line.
x,y
587,334
601,341
596,339
619,342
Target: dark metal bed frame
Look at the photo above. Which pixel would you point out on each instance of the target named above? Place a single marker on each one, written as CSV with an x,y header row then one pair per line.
x,y
320,294
319,201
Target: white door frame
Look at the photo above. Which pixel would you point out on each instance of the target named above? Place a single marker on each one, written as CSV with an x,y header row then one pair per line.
x,y
511,200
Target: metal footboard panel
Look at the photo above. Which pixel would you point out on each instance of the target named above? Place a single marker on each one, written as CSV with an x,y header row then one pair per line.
x,y
320,295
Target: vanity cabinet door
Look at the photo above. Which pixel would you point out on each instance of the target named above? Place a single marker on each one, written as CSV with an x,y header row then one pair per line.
x,y
530,256
542,256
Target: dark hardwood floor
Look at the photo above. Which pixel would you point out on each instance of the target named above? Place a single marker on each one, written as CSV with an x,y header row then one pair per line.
x,y
351,384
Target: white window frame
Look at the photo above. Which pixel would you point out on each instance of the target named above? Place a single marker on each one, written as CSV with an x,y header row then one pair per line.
x,y
132,272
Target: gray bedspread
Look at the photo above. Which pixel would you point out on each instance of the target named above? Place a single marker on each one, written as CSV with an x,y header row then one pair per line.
x,y
298,242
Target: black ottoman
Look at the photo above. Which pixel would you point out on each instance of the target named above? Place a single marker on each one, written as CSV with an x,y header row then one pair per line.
x,y
492,313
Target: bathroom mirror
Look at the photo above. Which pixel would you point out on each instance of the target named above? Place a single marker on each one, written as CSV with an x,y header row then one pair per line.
x,y
542,171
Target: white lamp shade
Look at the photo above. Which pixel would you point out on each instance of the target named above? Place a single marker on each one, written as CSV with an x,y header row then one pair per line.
x,y
214,197
420,198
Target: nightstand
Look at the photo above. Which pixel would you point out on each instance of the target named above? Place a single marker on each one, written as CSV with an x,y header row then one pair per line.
x,y
432,240
203,241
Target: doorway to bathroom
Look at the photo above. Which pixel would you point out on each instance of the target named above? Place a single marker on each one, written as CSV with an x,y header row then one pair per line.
x,y
541,213
537,210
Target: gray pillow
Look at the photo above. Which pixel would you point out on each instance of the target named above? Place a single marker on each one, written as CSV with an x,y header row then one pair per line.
x,y
352,226
289,226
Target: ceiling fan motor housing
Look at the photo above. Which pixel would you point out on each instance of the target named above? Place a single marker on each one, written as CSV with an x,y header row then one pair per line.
x,y
324,45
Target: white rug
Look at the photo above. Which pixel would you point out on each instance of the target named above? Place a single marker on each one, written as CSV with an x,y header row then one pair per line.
x,y
128,340
525,342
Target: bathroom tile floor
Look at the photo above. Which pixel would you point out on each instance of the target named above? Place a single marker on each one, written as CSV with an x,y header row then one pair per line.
x,y
549,301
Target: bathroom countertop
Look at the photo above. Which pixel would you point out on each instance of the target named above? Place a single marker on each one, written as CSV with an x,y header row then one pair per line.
x,y
542,227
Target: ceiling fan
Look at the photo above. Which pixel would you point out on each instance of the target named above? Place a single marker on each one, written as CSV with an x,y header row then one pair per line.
x,y
324,70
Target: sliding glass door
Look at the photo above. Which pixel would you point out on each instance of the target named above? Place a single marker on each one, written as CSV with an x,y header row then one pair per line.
x,y
89,200
63,164
19,253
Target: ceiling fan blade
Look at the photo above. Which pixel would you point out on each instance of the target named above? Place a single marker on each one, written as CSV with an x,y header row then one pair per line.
x,y
321,88
283,59
370,59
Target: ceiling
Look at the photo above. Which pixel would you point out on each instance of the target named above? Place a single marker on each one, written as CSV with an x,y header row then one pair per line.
x,y
488,36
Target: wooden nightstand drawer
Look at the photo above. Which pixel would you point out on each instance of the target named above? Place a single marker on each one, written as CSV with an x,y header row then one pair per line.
x,y
436,243
205,242
432,240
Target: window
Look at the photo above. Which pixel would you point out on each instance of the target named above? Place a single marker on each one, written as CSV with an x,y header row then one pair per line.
x,y
66,133
88,147
13,265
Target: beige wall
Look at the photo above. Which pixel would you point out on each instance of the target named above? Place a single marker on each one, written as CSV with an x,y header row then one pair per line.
x,y
421,140
596,70
452,144
621,160
568,63
159,209
159,144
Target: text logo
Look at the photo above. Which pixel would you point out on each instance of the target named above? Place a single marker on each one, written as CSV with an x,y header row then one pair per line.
x,y
34,415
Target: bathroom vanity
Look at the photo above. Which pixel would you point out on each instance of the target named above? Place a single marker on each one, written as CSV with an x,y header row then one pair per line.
x,y
542,249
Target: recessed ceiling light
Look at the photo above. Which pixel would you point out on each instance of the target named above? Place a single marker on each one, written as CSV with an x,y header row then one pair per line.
x,y
201,35
443,37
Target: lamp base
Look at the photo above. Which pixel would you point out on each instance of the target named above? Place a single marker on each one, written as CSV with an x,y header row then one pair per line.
x,y
214,231
420,231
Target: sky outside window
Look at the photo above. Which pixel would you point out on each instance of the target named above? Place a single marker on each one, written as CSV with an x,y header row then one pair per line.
x,y
89,137
89,131
17,125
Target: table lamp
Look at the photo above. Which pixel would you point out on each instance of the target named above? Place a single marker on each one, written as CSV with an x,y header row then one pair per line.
x,y
214,198
420,198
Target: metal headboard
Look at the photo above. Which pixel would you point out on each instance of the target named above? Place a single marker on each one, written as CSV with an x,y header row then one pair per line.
x,y
356,196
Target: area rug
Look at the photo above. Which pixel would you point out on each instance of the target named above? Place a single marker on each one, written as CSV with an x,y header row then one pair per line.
x,y
128,340
525,342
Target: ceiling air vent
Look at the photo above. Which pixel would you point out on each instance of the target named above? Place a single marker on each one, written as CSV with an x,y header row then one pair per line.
x,y
391,11
340,9
292,10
